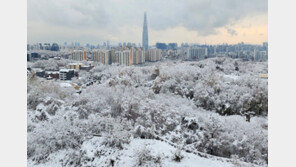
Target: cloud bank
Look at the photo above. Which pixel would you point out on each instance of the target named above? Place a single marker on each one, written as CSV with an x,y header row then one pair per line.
x,y
98,20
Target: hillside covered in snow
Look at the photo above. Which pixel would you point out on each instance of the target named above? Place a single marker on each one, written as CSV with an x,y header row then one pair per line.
x,y
203,113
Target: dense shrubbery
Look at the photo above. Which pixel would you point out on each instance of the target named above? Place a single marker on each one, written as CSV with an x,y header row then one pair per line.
x,y
145,158
194,104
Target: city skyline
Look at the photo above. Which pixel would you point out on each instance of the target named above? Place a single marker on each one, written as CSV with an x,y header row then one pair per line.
x,y
201,21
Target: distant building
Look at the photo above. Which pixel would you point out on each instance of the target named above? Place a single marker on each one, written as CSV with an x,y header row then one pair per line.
x,y
94,55
113,58
46,46
102,56
77,44
124,57
35,56
172,46
265,46
54,47
52,74
78,55
184,45
138,56
145,33
265,76
40,46
154,55
161,46
66,74
108,45
128,56
260,55
29,57
105,57
75,66
84,55
195,53
86,67
39,72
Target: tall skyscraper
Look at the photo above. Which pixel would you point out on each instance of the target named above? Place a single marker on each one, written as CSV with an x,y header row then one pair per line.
x,y
145,33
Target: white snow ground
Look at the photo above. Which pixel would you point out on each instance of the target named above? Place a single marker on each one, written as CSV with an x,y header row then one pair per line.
x,y
129,156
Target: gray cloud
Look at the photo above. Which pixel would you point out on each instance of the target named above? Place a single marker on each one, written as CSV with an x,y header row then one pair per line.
x,y
202,16
231,31
76,14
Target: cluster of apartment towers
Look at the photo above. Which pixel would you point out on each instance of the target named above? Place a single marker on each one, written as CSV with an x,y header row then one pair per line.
x,y
122,55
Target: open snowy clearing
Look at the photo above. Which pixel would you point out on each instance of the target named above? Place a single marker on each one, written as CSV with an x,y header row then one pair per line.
x,y
129,156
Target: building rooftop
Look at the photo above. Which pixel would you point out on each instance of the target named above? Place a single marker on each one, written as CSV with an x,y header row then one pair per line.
x,y
75,64
64,70
52,72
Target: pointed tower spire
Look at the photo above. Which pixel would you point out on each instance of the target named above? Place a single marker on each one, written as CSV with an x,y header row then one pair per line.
x,y
145,33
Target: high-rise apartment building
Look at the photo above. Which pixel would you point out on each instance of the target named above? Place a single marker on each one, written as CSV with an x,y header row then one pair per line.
x,y
138,56
124,57
101,56
154,55
196,53
77,55
84,55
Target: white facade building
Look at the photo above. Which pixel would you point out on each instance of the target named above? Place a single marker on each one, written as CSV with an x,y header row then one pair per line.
x,y
194,53
78,55
154,55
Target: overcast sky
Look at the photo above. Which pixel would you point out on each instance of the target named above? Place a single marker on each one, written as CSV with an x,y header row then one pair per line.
x,y
192,21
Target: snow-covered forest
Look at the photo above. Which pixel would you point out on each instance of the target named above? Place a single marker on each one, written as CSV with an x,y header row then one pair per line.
x,y
201,113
